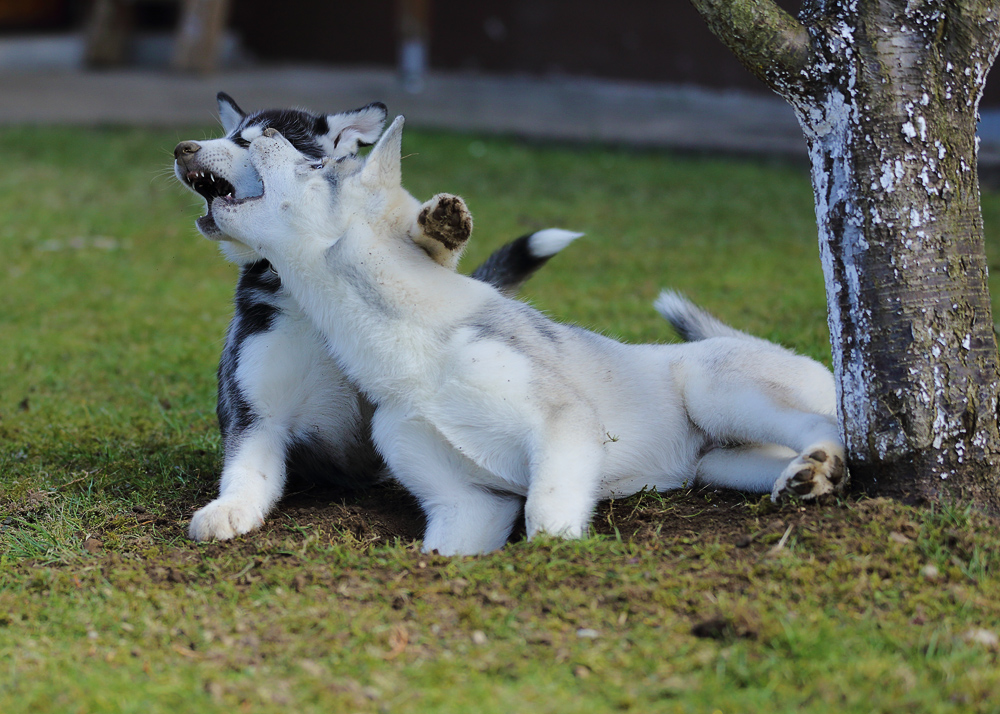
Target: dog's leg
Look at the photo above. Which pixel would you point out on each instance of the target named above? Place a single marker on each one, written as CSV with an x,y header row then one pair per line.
x,y
819,467
252,482
564,479
806,468
750,468
444,226
793,453
463,518
764,395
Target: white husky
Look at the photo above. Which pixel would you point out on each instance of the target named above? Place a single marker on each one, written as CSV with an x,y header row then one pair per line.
x,y
485,405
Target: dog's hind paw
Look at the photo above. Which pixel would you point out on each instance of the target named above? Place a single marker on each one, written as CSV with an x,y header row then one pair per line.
x,y
223,519
818,471
446,219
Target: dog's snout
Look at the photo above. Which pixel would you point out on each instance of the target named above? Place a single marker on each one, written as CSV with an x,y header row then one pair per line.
x,y
185,149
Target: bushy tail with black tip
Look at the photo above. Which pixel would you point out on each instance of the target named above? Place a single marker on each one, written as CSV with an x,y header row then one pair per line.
x,y
510,266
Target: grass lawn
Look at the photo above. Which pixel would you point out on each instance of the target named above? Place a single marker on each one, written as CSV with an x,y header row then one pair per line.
x,y
700,601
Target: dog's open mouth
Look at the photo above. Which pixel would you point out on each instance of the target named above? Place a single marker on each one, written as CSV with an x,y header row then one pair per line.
x,y
209,186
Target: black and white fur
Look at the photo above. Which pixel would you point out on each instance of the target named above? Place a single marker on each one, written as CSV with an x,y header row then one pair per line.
x,y
485,406
284,407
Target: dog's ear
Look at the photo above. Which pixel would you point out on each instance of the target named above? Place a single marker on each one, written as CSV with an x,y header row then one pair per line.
x,y
346,131
229,112
382,169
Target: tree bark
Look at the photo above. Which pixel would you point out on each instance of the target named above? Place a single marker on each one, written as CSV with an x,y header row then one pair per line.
x,y
887,94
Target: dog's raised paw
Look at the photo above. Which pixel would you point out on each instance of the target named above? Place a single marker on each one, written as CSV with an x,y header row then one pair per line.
x,y
446,219
223,519
818,471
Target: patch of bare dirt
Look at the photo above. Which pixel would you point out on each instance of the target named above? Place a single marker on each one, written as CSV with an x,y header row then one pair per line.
x,y
379,514
679,514
386,513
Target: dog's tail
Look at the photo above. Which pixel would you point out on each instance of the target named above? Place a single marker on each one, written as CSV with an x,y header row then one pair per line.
x,y
690,321
510,266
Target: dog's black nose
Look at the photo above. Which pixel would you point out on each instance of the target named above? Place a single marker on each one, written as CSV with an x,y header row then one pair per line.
x,y
186,148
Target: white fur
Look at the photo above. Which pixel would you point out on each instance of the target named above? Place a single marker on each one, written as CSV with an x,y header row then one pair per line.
x,y
483,401
347,131
552,240
251,132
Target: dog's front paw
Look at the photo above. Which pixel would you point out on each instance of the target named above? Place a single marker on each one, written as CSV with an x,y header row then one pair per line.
x,y
223,519
270,150
446,219
818,471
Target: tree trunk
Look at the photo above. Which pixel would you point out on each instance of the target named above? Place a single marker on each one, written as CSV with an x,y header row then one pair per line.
x,y
887,94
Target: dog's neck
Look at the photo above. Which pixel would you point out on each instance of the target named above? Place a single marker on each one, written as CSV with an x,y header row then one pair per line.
x,y
238,253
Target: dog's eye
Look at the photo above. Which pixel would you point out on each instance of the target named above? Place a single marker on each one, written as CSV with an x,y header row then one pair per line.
x,y
317,165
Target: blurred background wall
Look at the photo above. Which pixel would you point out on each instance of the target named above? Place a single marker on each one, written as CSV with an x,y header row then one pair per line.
x,y
648,40
639,40
634,40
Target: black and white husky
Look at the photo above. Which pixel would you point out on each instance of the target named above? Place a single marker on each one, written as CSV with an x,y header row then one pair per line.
x,y
487,406
284,407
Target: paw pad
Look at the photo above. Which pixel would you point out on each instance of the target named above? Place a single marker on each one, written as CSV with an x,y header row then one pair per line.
x,y
817,472
447,220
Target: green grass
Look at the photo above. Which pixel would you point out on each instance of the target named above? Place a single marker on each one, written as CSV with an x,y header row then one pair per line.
x,y
113,318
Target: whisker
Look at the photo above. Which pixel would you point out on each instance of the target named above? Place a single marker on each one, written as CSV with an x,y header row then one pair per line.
x,y
167,172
